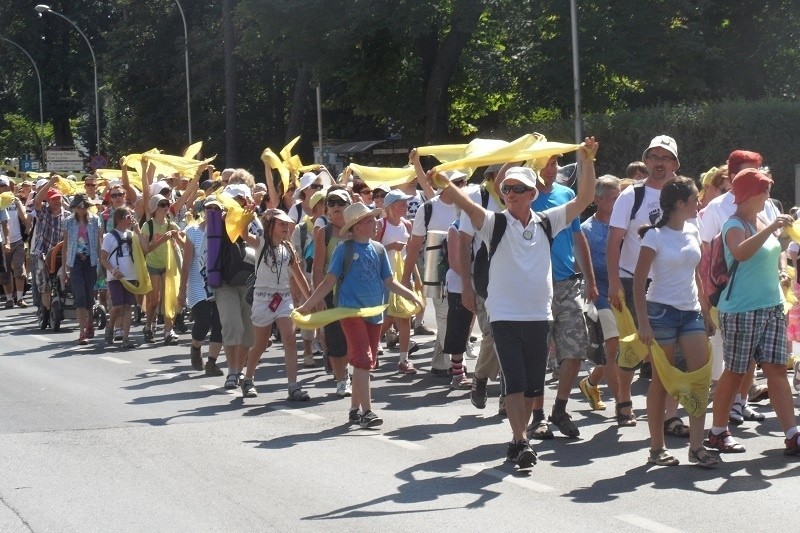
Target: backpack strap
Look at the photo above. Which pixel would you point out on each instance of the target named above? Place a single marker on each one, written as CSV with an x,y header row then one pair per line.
x,y
427,213
151,228
382,231
544,222
328,233
499,229
638,198
484,197
261,256
303,235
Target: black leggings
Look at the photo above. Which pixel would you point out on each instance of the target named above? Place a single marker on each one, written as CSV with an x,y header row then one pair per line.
x,y
522,351
459,320
206,317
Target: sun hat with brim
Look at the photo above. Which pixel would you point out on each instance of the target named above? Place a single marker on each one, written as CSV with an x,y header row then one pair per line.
x,y
395,196
526,176
157,187
382,187
306,180
316,198
454,175
153,203
277,214
41,182
667,143
341,194
239,189
355,213
80,200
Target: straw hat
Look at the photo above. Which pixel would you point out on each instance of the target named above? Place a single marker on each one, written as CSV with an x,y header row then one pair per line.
x,y
355,213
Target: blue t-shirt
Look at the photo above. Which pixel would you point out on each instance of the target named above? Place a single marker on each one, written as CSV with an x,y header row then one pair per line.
x,y
363,285
562,253
757,281
597,234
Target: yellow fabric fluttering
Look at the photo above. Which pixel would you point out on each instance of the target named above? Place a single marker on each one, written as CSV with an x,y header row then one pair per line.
x,y
269,157
322,318
6,199
172,282
236,219
445,152
287,165
174,164
374,176
529,147
143,286
192,151
115,174
690,389
793,231
632,351
66,187
399,307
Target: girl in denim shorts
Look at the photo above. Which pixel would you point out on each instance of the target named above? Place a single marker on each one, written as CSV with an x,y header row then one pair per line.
x,y
673,310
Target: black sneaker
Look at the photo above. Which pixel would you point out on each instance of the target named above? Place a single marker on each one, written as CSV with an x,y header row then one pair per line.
x,y
353,416
478,393
370,420
646,371
521,453
148,335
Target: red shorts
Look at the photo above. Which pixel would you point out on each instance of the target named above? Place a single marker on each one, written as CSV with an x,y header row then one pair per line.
x,y
362,342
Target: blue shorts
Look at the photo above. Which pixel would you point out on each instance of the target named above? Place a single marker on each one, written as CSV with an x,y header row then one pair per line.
x,y
669,323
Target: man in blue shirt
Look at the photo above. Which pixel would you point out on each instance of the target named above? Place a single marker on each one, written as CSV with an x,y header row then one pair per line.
x,y
568,335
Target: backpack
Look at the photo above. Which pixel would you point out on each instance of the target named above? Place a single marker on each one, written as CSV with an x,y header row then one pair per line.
x,y
638,198
231,261
715,275
348,262
483,258
120,241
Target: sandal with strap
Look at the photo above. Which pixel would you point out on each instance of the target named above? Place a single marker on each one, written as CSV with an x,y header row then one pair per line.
x,y
702,457
625,420
662,457
297,394
676,428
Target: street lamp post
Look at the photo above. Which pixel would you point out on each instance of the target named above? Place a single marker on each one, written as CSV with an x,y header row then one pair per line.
x,y
186,58
39,78
42,8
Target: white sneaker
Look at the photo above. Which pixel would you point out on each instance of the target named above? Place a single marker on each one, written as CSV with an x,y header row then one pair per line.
x,y
343,389
316,347
470,354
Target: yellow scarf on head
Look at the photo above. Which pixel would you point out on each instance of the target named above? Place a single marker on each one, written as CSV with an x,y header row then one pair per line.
x,y
143,286
322,318
690,389
374,176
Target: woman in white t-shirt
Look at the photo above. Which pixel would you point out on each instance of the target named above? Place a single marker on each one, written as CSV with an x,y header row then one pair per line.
x,y
673,310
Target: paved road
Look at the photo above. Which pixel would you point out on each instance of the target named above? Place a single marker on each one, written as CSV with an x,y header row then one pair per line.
x,y
138,441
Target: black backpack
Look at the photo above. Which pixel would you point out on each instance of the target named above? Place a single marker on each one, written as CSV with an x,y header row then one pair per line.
x,y
231,262
483,258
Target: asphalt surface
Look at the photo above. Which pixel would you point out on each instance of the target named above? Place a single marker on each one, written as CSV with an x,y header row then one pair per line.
x,y
106,440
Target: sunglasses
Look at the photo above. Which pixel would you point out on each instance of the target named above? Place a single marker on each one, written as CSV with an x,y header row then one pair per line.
x,y
163,204
517,189
117,194
333,202
316,186
378,195
90,185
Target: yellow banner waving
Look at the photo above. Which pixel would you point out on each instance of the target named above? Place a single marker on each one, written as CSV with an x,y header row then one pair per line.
x,y
322,318
374,176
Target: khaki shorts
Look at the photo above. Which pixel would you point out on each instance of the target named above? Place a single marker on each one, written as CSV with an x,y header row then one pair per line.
x,y
568,333
234,315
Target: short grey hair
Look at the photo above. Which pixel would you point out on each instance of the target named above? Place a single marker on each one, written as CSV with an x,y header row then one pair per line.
x,y
606,183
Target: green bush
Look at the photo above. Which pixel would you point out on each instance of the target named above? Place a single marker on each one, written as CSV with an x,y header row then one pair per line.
x,y
705,133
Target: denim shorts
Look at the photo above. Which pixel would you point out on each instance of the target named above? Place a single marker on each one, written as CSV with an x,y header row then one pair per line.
x,y
669,323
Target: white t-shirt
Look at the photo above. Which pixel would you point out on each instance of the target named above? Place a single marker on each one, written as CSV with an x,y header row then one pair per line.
x,y
672,272
14,224
442,215
123,263
273,271
721,208
393,234
465,224
520,277
649,213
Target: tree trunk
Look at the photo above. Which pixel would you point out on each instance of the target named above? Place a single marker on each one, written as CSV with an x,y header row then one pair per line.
x,y
463,22
297,113
231,155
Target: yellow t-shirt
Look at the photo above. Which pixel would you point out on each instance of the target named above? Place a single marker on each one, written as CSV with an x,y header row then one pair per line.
x,y
157,257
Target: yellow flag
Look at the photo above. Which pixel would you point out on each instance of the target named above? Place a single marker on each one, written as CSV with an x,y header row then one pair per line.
x,y
236,219
690,389
322,318
399,307
143,286
66,187
172,282
275,163
632,351
374,176
192,151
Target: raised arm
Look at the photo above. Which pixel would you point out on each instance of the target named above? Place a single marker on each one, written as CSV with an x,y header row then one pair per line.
x,y
586,155
427,189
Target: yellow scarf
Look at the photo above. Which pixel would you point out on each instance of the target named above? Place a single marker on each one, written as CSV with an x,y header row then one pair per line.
x,y
287,165
374,176
143,286
172,281
236,219
322,318
690,389
632,351
399,307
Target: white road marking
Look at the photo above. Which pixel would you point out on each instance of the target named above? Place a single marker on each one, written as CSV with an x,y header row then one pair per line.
x,y
480,468
115,360
406,445
646,523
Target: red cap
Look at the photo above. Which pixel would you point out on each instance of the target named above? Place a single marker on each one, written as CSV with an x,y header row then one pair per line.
x,y
741,159
54,193
748,183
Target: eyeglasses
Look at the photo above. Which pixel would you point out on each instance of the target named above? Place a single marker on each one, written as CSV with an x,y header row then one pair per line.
x,y
332,202
163,204
316,186
377,195
117,194
661,158
517,188
90,185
